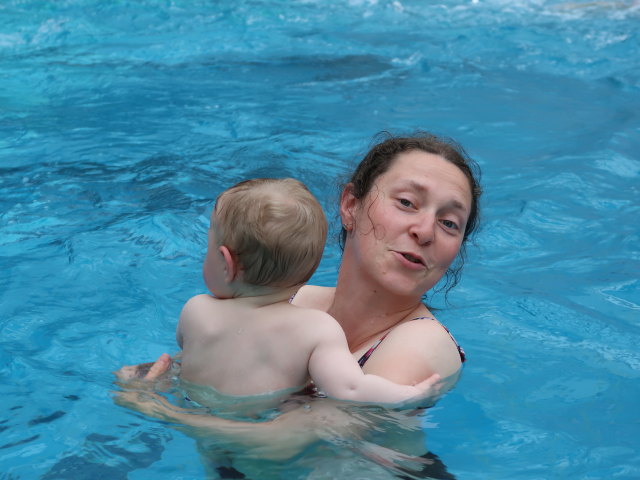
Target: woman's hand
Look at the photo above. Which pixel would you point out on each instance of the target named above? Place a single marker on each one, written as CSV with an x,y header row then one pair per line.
x,y
144,371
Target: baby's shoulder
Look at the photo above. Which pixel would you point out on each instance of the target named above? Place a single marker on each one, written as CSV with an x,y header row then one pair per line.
x,y
309,314
199,309
199,302
316,322
313,296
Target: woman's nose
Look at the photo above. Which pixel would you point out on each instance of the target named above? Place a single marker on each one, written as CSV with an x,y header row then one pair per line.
x,y
423,229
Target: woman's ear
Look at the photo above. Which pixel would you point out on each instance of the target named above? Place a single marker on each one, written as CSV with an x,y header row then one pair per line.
x,y
230,264
348,204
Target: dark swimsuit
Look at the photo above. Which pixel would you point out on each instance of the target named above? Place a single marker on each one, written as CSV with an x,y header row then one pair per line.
x,y
365,357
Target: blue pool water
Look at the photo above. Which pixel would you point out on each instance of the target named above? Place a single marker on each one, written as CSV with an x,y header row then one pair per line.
x,y
121,121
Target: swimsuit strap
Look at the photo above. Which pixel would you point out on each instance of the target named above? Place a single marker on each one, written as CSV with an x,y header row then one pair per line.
x,y
363,359
463,356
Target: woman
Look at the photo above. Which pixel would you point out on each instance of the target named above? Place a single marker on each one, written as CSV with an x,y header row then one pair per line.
x,y
407,212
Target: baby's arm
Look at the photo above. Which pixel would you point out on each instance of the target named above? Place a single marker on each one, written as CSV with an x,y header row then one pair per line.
x,y
335,372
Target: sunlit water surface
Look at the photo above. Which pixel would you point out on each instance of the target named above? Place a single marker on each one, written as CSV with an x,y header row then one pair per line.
x,y
121,121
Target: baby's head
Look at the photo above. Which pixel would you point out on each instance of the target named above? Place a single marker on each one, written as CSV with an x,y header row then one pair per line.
x,y
275,228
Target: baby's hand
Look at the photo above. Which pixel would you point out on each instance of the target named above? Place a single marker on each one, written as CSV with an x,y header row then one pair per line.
x,y
430,389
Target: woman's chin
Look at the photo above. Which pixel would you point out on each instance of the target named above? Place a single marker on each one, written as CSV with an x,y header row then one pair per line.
x,y
410,279
406,288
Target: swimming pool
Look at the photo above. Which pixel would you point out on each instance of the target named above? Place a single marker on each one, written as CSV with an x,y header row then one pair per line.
x,y
120,121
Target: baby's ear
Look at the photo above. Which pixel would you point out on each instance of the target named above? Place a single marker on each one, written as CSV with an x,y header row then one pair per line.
x,y
230,264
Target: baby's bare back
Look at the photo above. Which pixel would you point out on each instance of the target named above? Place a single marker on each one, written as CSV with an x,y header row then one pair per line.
x,y
240,349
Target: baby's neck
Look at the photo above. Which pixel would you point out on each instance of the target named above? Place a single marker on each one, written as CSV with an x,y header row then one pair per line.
x,y
259,296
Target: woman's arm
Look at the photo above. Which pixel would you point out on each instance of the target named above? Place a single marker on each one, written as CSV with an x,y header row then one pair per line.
x,y
294,430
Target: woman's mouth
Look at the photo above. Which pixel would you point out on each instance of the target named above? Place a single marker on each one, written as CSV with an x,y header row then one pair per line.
x,y
413,258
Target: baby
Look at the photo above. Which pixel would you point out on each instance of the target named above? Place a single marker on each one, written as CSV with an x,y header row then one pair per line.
x,y
265,240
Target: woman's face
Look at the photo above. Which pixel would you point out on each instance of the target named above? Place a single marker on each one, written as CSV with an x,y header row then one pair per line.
x,y
409,228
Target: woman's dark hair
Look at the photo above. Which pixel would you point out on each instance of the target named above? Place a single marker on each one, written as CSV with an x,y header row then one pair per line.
x,y
380,158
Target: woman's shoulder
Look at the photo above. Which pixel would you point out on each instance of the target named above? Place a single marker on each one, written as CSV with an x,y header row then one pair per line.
x,y
423,343
425,328
312,296
430,330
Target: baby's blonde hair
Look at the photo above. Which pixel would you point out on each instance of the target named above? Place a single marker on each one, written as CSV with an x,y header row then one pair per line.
x,y
274,227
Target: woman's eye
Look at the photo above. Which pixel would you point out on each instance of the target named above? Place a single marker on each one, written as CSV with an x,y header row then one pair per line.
x,y
450,224
406,203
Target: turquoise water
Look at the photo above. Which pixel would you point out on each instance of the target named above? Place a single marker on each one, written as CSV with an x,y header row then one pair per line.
x,y
121,121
